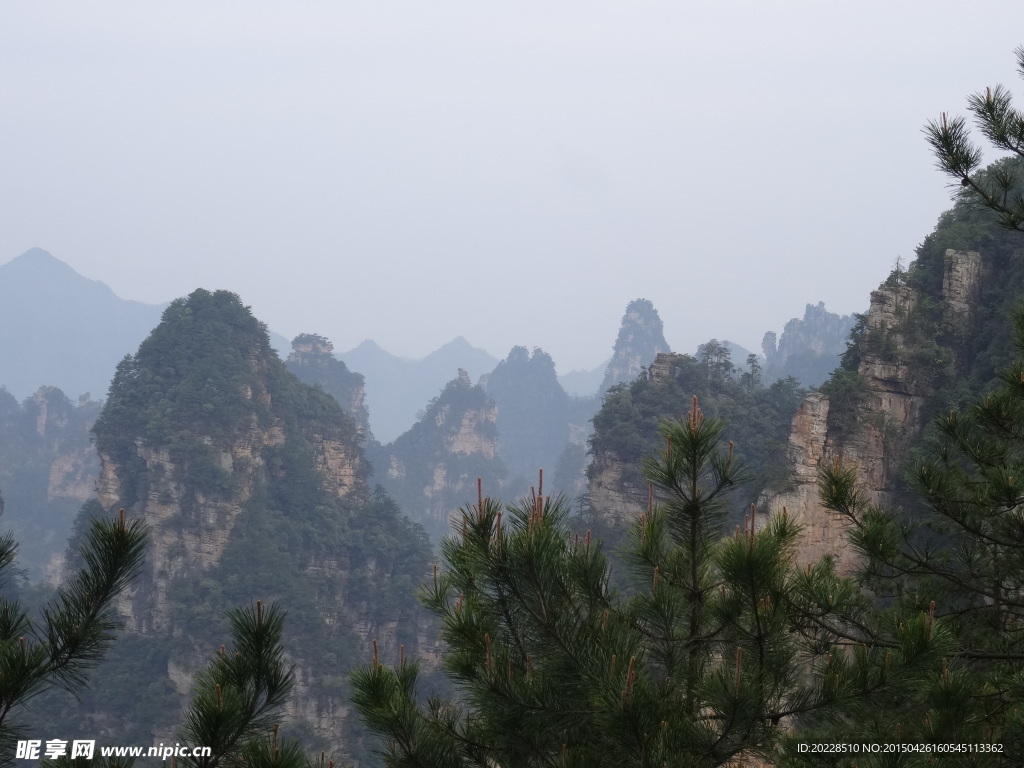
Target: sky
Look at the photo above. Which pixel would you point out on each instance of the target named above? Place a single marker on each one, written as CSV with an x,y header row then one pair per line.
x,y
514,173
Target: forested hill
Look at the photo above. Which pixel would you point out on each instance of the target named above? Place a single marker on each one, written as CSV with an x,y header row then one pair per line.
x,y
254,486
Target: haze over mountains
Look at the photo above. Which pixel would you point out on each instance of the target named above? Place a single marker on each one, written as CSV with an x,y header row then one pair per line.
x,y
58,328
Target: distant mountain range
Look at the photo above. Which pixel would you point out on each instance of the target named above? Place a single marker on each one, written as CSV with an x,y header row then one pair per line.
x,y
60,329
397,388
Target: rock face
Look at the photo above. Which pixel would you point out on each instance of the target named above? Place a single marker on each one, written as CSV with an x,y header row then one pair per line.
x,y
962,278
615,499
641,337
48,468
874,438
809,348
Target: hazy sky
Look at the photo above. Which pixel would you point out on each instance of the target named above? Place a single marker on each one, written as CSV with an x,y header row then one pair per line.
x,y
512,172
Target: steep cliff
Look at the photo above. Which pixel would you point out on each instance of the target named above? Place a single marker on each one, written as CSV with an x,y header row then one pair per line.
x,y
641,337
254,486
906,351
809,348
431,470
48,468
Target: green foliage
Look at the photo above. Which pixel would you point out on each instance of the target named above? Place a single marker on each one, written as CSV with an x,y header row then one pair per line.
x,y
846,391
1000,188
757,418
320,368
241,693
251,478
424,452
76,627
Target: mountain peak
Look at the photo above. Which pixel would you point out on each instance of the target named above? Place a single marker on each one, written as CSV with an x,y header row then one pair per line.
x,y
40,262
641,338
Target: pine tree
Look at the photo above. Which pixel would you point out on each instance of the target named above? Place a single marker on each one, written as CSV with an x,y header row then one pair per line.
x,y
959,561
237,704
1000,186
721,647
76,627
239,697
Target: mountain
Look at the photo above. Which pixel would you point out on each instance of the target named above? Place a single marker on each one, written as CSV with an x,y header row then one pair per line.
x,y
810,347
255,487
312,363
641,337
431,470
60,329
584,383
935,338
397,388
533,413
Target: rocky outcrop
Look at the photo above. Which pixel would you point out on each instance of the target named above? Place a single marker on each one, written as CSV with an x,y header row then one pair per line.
x,y
641,337
873,439
809,348
823,531
664,365
962,279
616,500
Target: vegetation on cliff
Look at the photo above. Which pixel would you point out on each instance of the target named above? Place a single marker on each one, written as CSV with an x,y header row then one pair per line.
x,y
432,469
955,555
312,363
47,469
641,337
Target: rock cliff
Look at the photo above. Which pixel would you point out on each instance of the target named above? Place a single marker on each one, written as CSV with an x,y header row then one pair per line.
x,y
809,348
879,410
48,468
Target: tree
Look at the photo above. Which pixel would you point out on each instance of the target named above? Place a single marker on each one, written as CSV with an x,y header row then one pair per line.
x,y
237,699
960,561
1000,186
721,646
239,695
76,627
